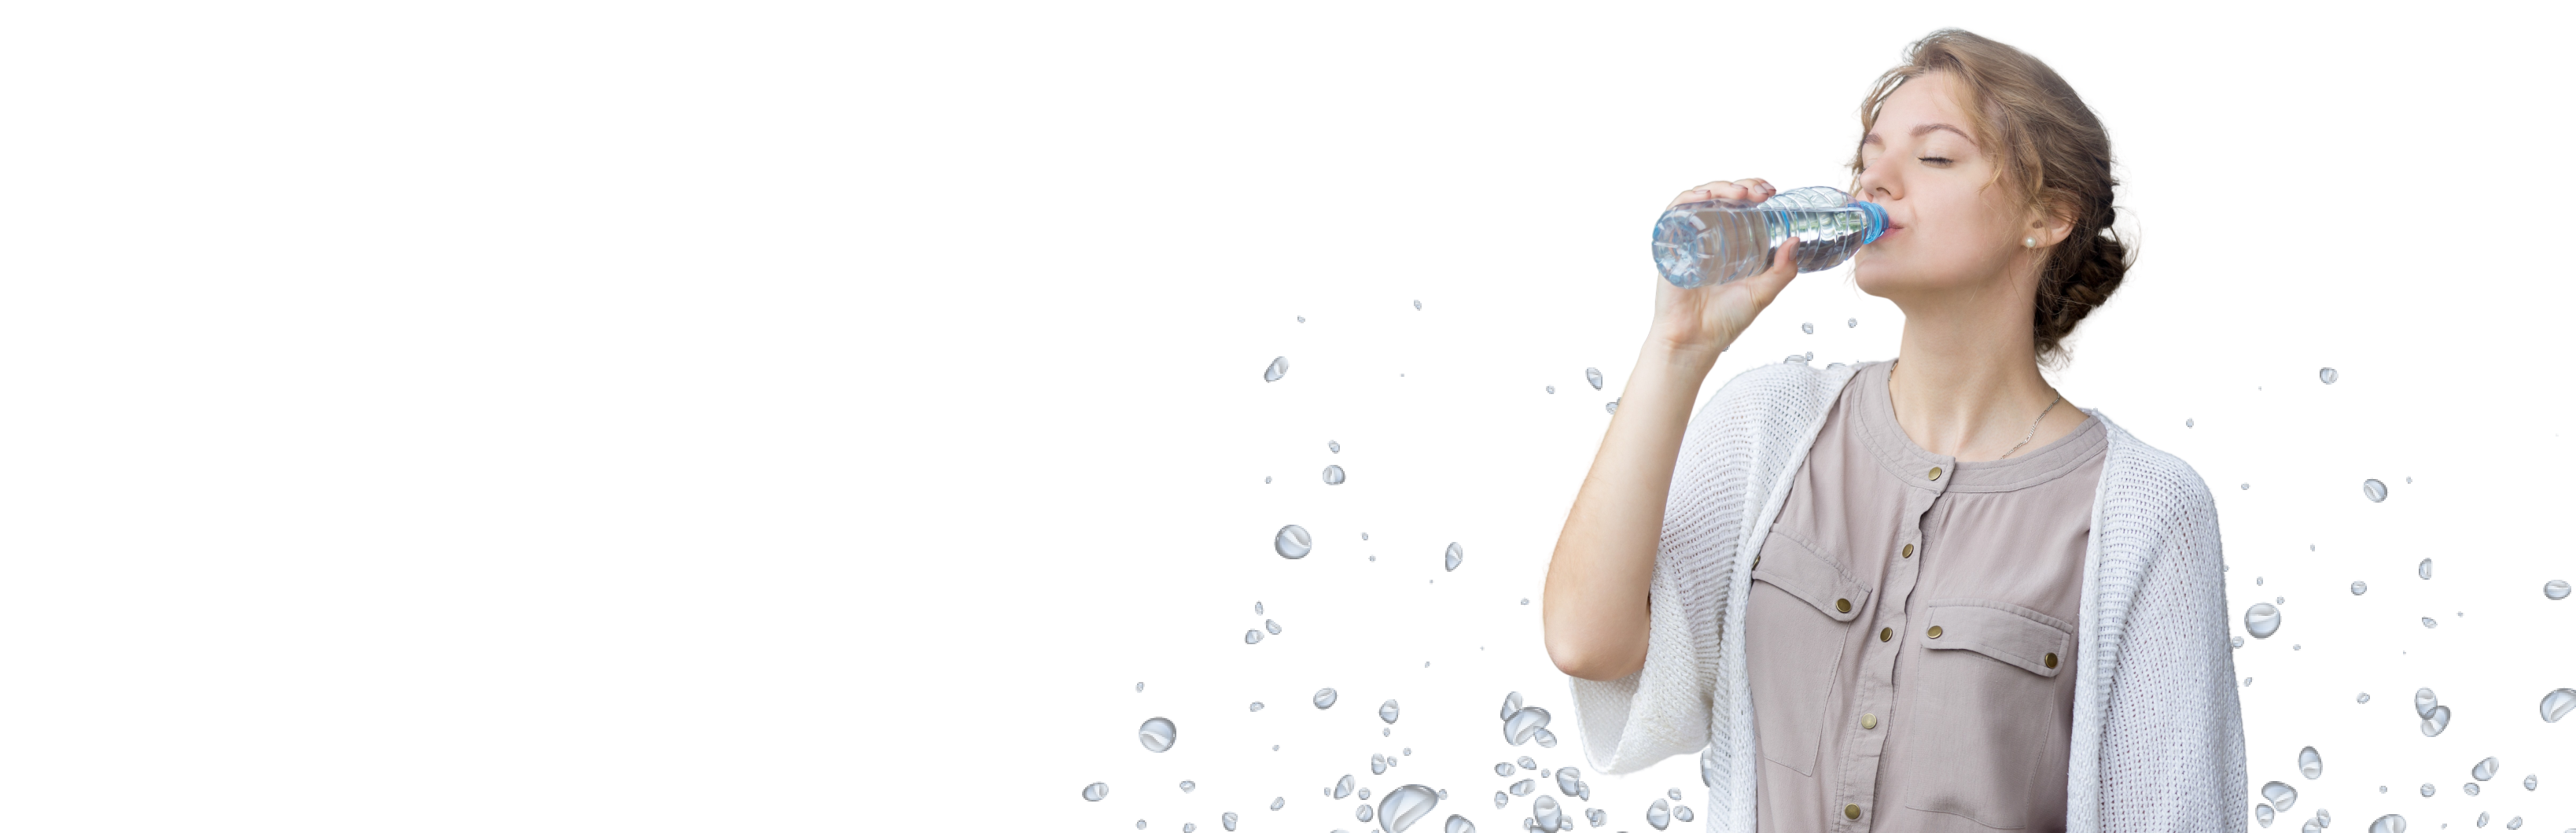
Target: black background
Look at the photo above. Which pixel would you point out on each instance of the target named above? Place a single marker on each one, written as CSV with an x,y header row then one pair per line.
x,y
1562,148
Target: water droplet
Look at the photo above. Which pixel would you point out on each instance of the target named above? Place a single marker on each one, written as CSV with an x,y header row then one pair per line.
x,y
2484,770
1301,319
2556,589
1417,305
2515,824
1454,555
1593,375
1140,688
2263,814
2531,782
1458,824
2425,700
2428,622
1544,738
1140,824
2262,620
1523,786
1363,536
1229,820
1566,779
1271,625
1551,388
1405,805
1852,323
1504,768
1659,814
2364,698
1545,810
1528,762
1265,479
2424,569
2391,823
2186,423
1808,328
2311,827
2359,588
1377,764
2258,581
2374,490
1256,609
1501,799
2281,795
2309,764
2236,642
1189,786
2470,787
2553,706
1611,406
1524,600
1292,542
1525,724
1681,813
1333,475
2244,486
1097,791
1335,445
2324,820
1324,698
1364,813
2482,819
2249,682
1278,802
1512,703
2440,720
1278,367
1342,788
1157,734
1674,793
1598,816
1256,705
1387,711
1252,637
2327,375
2427,790
1364,793
1189,827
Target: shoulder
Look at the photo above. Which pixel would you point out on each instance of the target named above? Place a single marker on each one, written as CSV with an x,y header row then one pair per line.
x,y
2138,477
1792,390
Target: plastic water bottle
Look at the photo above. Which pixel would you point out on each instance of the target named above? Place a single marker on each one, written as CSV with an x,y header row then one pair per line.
x,y
1718,241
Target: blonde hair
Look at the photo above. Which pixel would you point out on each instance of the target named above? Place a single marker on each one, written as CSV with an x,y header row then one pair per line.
x,y
2054,154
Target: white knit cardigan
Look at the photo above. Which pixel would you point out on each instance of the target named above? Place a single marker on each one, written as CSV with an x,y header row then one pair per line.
x,y
2159,741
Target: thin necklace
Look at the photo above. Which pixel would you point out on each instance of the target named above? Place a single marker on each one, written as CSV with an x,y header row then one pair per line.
x,y
2034,421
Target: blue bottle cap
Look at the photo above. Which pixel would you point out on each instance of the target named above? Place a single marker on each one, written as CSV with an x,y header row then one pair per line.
x,y
1877,220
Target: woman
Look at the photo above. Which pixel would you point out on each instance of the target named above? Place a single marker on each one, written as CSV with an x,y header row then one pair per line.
x,y
1922,594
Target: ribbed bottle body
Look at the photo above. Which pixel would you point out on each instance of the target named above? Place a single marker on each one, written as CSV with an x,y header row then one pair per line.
x,y
1720,241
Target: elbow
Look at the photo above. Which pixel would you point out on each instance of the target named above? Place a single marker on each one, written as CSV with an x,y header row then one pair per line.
x,y
1587,659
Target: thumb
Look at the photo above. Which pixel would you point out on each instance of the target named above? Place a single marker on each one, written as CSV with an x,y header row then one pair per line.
x,y
1784,268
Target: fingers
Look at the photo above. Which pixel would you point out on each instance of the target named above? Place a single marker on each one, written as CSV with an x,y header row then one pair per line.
x,y
1743,189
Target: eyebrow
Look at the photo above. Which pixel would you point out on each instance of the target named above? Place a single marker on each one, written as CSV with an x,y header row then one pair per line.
x,y
1921,129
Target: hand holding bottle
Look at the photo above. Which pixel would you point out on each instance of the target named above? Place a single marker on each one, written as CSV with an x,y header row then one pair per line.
x,y
1693,325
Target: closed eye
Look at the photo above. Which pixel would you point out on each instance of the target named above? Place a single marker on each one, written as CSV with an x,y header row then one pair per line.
x,y
1935,160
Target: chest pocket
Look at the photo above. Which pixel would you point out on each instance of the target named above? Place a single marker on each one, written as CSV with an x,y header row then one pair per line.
x,y
1984,700
1795,626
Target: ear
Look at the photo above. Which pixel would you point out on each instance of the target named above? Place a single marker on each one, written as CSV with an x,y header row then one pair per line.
x,y
2050,225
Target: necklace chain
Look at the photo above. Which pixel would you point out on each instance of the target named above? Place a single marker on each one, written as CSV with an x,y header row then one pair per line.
x,y
2034,421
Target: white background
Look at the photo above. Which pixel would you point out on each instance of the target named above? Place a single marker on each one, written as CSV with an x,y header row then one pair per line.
x,y
541,416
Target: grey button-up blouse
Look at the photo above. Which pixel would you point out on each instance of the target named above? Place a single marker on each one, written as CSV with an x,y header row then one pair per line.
x,y
1909,638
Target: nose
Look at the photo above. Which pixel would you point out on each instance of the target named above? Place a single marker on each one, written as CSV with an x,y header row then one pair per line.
x,y
1877,186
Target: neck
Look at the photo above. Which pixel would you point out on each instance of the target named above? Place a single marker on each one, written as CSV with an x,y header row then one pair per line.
x,y
1971,389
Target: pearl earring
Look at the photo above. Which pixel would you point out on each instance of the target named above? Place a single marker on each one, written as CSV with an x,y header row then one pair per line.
x,y
2030,242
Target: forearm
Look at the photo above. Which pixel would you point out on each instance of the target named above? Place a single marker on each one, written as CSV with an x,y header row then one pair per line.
x,y
1595,602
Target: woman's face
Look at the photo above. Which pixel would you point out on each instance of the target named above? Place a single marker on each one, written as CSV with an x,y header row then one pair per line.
x,y
1948,229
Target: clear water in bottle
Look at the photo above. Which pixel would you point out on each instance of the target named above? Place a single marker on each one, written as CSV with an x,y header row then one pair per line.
x,y
1718,241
